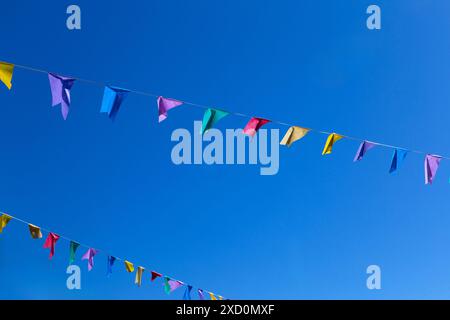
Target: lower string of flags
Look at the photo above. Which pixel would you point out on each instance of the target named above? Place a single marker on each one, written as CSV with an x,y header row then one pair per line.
x,y
113,97
169,284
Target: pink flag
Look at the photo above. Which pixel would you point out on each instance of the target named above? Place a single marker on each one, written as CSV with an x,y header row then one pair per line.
x,y
431,166
254,125
164,105
89,256
50,242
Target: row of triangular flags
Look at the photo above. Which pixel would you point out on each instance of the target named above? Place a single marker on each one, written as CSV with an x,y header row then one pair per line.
x,y
113,97
52,238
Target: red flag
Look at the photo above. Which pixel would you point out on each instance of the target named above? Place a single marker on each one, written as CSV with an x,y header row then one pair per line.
x,y
50,242
155,275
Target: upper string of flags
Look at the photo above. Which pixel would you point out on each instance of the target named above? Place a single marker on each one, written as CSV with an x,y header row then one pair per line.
x,y
113,98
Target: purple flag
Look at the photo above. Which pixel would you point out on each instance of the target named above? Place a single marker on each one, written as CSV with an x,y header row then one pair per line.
x,y
164,105
171,285
175,284
363,148
60,87
200,294
89,256
431,166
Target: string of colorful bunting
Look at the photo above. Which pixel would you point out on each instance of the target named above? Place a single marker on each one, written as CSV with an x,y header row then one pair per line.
x,y
113,98
170,284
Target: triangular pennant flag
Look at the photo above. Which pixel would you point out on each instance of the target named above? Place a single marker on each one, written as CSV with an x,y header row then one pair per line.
x,y
212,296
138,279
431,166
171,285
363,148
60,87
72,249
175,284
293,134
6,73
35,231
89,256
4,219
109,265
332,138
112,100
211,117
50,242
254,125
201,295
397,158
155,275
187,293
164,105
129,266
220,297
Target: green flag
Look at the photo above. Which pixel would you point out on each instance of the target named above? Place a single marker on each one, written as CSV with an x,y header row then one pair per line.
x,y
73,247
211,117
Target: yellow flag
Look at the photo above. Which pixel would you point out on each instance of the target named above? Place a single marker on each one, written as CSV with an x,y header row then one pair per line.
x,y
35,231
129,266
332,138
6,73
212,296
138,279
293,134
4,219
220,298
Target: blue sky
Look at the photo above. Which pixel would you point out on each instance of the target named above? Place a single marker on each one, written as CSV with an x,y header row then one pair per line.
x,y
308,232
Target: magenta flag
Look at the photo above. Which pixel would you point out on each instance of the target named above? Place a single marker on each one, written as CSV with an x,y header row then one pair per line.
x,y
60,87
89,256
363,148
50,242
164,105
431,166
254,125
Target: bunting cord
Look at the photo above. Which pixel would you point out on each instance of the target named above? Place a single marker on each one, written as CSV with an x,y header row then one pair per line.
x,y
100,250
149,94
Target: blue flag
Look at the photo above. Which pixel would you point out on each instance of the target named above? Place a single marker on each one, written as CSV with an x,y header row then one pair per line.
x,y
112,99
187,293
397,158
109,265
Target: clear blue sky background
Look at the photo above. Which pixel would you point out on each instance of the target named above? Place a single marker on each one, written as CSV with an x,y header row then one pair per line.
x,y
308,232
